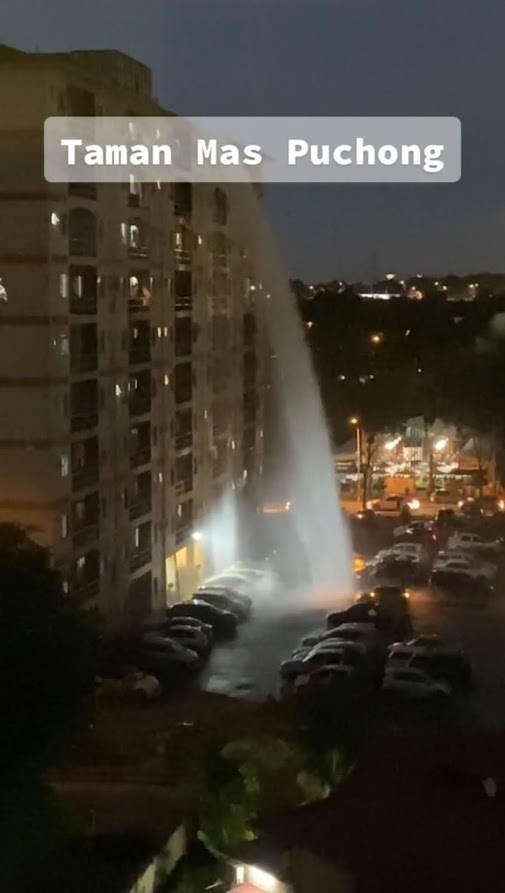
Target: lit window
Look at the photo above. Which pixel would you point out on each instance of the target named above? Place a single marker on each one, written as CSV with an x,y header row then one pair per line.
x,y
160,477
137,537
64,525
167,380
64,586
81,562
64,285
64,466
165,331
124,233
55,220
64,346
118,390
160,332
200,240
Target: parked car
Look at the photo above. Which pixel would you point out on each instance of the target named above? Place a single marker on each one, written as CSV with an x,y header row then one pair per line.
x,y
445,519
241,583
316,657
415,551
459,587
441,496
414,683
192,622
460,563
245,600
444,666
483,506
157,654
224,600
331,675
473,542
134,685
223,623
188,636
421,531
363,635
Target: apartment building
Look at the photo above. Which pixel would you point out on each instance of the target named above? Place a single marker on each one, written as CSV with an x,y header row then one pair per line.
x,y
131,353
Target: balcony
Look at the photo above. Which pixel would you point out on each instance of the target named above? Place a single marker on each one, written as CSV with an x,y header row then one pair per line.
x,y
83,362
85,535
184,441
79,246
83,305
141,506
139,404
184,486
139,558
138,250
141,456
183,348
137,305
219,259
139,354
84,593
83,190
182,533
183,257
85,477
83,420
183,305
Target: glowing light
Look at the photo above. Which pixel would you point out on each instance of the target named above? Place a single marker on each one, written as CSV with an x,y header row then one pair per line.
x,y
414,504
197,536
440,444
354,420
262,879
376,339
54,219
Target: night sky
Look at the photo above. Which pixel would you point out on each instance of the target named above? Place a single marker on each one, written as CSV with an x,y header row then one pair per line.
x,y
326,57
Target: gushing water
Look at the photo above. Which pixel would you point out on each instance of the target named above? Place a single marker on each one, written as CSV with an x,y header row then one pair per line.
x,y
309,473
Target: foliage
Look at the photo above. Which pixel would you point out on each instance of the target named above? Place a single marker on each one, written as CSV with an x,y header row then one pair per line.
x,y
47,655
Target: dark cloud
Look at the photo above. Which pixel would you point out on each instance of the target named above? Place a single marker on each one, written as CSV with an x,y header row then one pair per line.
x,y
332,57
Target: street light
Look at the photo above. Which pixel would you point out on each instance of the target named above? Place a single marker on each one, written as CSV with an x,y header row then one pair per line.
x,y
376,339
354,420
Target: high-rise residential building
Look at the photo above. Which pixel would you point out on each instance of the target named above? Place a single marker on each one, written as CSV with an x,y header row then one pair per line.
x,y
130,350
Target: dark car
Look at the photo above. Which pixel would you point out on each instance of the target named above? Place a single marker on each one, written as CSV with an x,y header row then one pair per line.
x,y
224,623
224,599
446,519
454,668
404,570
163,623
460,588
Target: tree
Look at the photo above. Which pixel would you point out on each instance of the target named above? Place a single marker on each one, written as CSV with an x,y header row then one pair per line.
x,y
47,659
368,454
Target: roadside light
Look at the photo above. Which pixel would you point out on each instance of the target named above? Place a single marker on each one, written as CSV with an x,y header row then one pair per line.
x,y
354,420
197,536
414,504
376,339
440,444
501,504
406,593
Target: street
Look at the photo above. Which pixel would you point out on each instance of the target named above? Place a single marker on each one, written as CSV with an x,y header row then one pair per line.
x,y
248,666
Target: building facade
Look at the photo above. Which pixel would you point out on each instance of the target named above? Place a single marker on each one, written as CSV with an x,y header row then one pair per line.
x,y
131,353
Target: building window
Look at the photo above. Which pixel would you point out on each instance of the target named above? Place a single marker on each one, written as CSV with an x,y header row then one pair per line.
x,y
64,466
64,285
64,526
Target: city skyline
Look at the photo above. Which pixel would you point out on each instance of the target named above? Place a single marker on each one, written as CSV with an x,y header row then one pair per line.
x,y
359,59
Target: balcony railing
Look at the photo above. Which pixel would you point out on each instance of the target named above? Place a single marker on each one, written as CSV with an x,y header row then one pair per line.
x,y
139,558
182,533
137,305
182,209
79,246
134,200
141,456
83,190
83,305
139,354
139,404
85,592
183,303
183,257
83,362
85,534
183,348
138,251
183,441
184,486
183,396
140,507
85,477
219,259
82,420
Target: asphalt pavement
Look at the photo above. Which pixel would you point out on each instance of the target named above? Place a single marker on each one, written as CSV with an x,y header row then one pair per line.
x,y
248,666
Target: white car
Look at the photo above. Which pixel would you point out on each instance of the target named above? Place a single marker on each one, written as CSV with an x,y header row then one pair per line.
x,y
317,657
403,550
472,541
414,683
466,566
